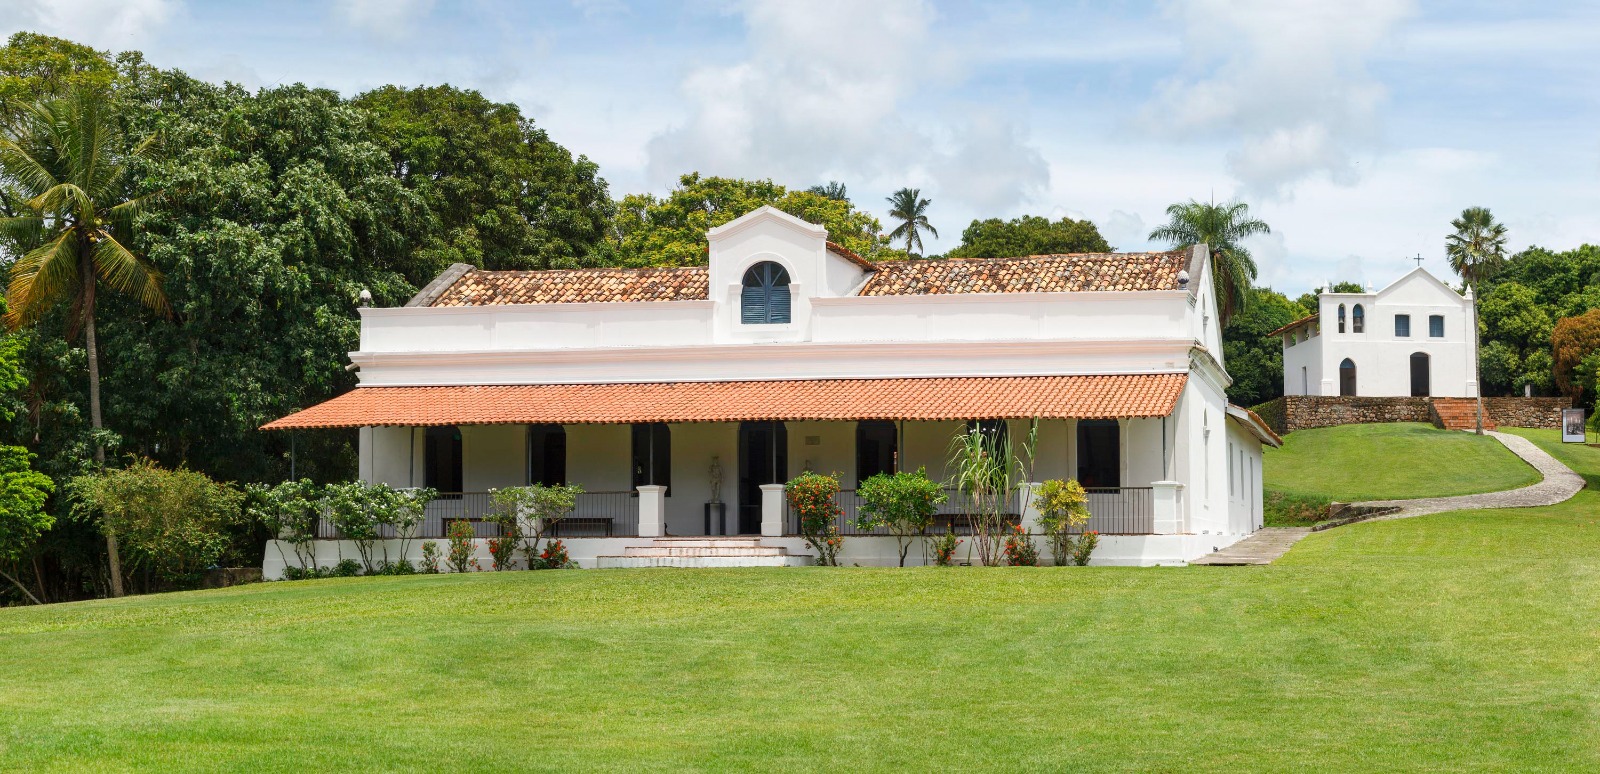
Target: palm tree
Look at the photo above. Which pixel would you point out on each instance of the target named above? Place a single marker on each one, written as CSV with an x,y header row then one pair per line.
x,y
1222,228
1478,248
68,165
832,190
908,207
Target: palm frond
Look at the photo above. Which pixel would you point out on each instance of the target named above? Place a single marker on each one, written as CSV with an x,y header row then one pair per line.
x,y
24,230
21,166
124,272
41,277
63,199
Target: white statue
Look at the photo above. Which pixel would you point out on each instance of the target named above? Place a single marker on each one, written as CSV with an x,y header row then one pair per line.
x,y
716,479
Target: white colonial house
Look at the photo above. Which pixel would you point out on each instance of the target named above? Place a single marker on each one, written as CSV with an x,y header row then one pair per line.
x,y
787,353
1415,337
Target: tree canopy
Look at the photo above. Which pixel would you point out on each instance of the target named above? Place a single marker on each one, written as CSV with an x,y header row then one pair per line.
x,y
1253,358
671,230
1028,235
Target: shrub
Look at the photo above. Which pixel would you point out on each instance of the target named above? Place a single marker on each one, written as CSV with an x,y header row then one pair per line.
x,y
171,523
532,511
397,567
1281,509
904,502
430,558
814,498
289,512
986,471
346,568
553,557
360,510
1020,551
1063,506
1084,546
461,546
944,549
501,551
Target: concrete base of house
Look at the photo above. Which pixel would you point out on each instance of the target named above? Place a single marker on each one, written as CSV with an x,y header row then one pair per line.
x,y
865,551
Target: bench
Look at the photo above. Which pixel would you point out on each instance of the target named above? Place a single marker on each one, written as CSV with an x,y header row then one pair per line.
x,y
601,522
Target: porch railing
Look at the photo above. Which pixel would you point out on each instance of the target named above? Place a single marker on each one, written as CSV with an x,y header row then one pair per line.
x,y
596,514
1128,510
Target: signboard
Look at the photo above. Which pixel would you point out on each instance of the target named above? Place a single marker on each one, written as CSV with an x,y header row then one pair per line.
x,y
1572,425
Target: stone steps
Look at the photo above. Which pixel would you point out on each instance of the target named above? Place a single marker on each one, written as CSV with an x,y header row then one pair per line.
x,y
703,552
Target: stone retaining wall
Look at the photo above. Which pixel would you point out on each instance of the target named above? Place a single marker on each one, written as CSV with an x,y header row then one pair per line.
x,y
1300,412
1526,412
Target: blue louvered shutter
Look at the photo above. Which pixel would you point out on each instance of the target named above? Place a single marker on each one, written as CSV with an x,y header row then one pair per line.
x,y
753,305
778,304
765,297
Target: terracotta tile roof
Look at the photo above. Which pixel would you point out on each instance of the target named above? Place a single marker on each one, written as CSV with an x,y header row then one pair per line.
x,y
1002,397
1032,274
566,286
1255,424
850,255
1293,324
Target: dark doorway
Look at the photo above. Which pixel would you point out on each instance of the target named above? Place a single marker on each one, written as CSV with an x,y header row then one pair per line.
x,y
763,459
1347,377
547,455
441,459
875,449
1419,374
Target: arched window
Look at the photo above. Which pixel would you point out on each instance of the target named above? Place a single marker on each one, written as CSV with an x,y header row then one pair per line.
x,y
1347,374
765,300
1358,321
1341,318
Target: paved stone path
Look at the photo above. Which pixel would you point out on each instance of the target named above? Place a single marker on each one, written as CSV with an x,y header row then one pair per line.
x,y
1559,485
1267,544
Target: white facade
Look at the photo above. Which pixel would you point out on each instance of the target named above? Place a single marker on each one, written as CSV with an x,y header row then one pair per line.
x,y
1413,338
1193,475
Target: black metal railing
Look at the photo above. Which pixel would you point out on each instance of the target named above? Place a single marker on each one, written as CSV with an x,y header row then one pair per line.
x,y
596,514
953,515
1128,510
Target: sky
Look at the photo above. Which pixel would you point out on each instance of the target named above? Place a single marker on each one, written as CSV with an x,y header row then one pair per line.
x,y
1357,130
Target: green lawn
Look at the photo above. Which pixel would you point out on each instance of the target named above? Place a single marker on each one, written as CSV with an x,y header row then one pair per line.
x,y
1391,461
1457,641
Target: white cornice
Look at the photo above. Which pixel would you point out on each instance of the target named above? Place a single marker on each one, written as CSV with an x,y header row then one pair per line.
x,y
992,298
580,306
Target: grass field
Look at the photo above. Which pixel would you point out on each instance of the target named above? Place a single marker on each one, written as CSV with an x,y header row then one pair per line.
x,y
1458,641
1391,461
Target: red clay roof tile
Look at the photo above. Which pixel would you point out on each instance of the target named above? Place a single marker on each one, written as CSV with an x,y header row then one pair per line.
x,y
1001,397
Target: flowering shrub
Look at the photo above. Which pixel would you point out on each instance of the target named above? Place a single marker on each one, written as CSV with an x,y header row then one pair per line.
x,y
1083,546
501,551
460,553
553,557
813,497
430,558
531,512
944,549
1063,506
1020,551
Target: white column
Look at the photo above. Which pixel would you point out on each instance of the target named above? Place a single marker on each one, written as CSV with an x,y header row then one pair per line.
x,y
772,507
1029,492
1168,507
652,510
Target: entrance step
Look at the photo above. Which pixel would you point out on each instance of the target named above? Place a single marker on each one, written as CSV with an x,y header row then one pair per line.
x,y
1457,414
703,552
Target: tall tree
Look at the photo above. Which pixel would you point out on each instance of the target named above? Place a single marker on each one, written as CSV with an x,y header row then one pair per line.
x,y
1477,249
1255,359
833,189
907,206
1223,228
671,230
500,193
70,165
1028,235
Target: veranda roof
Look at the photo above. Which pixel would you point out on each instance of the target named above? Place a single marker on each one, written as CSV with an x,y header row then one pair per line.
x,y
1117,396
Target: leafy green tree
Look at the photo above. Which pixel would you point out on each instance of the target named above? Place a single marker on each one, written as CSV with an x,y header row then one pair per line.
x,y
911,210
1223,228
1575,340
69,165
904,502
1477,249
1254,358
176,522
1028,235
500,193
34,66
23,518
833,189
1513,325
671,230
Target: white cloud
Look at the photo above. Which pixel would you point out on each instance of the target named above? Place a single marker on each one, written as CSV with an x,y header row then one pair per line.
x,y
1286,80
825,92
388,19
115,25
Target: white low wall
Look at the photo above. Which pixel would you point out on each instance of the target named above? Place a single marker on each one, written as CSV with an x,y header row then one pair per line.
x,y
868,551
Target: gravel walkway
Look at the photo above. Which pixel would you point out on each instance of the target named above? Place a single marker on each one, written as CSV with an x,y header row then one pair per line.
x,y
1559,485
